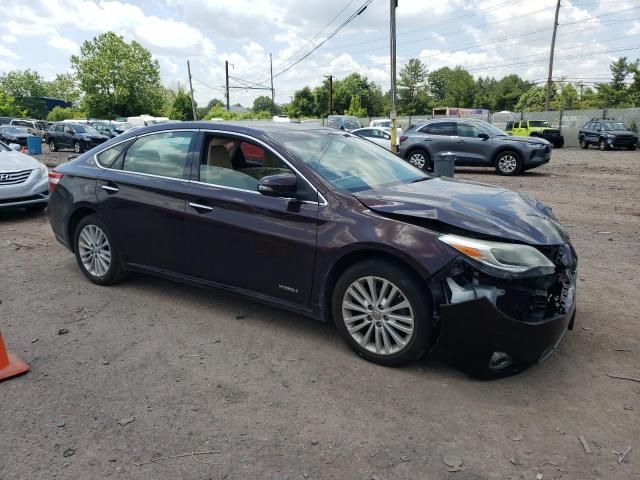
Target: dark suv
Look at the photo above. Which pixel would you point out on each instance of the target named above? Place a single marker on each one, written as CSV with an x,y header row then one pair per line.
x,y
73,135
607,133
475,144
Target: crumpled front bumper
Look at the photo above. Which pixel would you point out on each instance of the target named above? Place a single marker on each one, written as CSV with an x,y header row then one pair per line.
x,y
472,331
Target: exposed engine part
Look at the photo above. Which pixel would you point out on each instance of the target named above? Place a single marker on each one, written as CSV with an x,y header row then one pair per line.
x,y
472,291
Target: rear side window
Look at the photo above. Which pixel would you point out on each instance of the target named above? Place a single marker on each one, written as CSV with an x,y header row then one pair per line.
x,y
440,128
108,158
509,126
162,154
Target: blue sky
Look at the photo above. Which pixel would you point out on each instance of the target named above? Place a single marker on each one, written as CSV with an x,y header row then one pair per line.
x,y
488,37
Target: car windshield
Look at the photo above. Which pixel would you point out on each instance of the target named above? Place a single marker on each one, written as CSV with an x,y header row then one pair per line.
x,y
384,124
349,162
350,123
14,130
492,129
613,126
538,123
86,129
41,125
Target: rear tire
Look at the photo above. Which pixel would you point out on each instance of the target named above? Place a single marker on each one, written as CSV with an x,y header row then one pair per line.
x,y
77,147
508,163
395,327
584,144
419,158
96,252
52,146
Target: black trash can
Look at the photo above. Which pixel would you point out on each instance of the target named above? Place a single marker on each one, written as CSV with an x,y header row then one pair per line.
x,y
444,164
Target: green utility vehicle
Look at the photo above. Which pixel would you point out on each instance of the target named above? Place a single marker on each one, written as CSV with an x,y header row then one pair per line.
x,y
535,128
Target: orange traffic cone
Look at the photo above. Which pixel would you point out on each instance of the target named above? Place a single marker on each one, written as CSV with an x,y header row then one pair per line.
x,y
10,365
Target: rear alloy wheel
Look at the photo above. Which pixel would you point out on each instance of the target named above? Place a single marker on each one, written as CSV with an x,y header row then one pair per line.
x,y
77,147
508,163
603,145
52,146
380,310
96,253
583,144
419,158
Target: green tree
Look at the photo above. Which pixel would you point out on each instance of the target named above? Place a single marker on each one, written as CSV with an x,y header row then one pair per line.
x,y
181,108
616,93
118,78
452,87
64,87
303,104
60,113
8,105
355,108
506,92
218,111
265,104
533,100
412,82
26,87
567,97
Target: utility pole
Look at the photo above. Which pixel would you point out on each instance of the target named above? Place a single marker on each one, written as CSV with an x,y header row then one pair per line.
x,y
581,88
392,36
226,74
273,92
193,103
553,46
330,77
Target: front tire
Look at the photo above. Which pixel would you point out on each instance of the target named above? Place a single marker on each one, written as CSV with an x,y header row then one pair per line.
x,y
508,163
77,147
603,145
584,144
96,252
419,158
381,311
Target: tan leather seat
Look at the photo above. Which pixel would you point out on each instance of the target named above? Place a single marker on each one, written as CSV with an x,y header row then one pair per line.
x,y
218,157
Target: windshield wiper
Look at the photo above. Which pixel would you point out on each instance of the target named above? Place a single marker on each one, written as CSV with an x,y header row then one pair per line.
x,y
420,179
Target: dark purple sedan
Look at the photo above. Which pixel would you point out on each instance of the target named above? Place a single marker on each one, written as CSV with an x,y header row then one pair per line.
x,y
329,225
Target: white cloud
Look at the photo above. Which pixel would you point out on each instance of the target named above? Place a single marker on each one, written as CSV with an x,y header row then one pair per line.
x,y
65,44
5,52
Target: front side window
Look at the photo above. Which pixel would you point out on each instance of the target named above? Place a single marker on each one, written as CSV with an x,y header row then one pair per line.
x,y
237,163
162,154
468,130
440,128
348,162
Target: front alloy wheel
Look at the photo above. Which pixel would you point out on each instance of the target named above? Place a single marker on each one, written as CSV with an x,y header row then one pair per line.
x,y
603,145
583,144
508,163
380,309
77,147
52,146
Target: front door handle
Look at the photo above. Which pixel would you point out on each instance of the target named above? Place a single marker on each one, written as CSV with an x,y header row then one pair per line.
x,y
200,208
110,188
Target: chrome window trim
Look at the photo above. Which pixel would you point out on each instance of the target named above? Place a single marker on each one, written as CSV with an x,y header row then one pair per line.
x,y
322,203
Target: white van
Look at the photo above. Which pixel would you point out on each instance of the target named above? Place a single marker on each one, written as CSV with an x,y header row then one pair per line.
x,y
281,118
144,120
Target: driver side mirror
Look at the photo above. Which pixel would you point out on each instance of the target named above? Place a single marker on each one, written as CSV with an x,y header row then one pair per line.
x,y
279,185
483,136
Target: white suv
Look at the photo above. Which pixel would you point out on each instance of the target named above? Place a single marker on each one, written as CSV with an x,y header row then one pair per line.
x,y
35,127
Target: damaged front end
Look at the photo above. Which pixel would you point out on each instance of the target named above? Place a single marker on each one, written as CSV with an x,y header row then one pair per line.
x,y
500,307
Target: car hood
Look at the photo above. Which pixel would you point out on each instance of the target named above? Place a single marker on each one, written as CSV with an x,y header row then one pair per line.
x,y
475,207
537,140
12,161
619,132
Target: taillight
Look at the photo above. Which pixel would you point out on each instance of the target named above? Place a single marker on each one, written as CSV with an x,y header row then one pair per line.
x,y
403,138
54,179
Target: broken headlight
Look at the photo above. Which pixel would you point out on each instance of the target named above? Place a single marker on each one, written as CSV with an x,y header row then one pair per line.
x,y
513,258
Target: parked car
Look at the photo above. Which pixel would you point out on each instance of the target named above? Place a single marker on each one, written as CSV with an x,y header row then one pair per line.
x,y
536,128
23,181
73,135
281,118
475,143
381,136
110,129
343,122
607,133
35,127
330,226
386,124
9,134
5,120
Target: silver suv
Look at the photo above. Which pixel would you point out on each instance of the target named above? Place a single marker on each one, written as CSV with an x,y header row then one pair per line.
x,y
475,144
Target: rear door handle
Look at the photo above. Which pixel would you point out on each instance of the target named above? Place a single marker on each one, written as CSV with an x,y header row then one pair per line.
x,y
200,208
110,188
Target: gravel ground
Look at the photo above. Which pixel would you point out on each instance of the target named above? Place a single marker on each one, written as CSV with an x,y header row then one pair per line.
x,y
152,370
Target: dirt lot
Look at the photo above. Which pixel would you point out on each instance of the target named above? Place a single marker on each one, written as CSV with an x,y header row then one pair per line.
x,y
275,396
